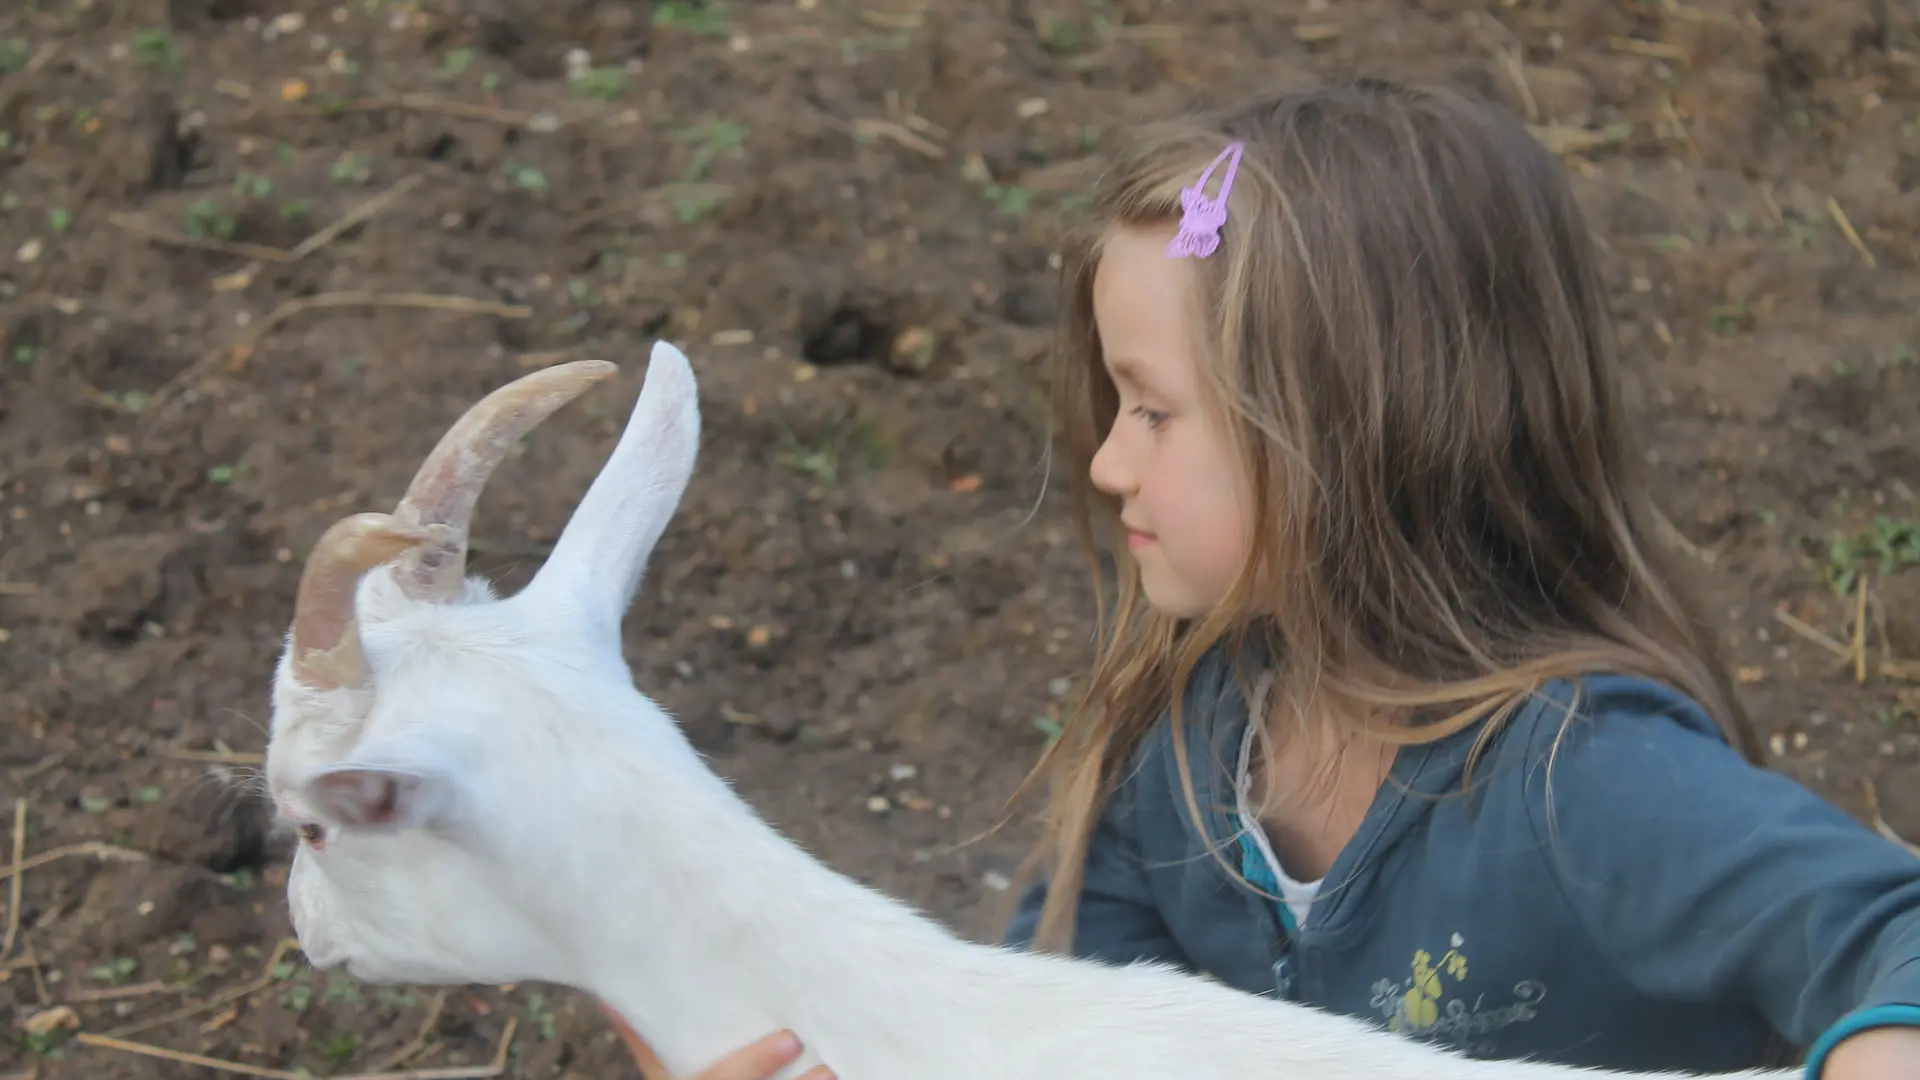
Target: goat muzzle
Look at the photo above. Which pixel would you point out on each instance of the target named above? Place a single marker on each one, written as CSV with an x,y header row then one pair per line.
x,y
449,482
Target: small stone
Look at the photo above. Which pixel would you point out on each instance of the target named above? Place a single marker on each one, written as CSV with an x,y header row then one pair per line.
x,y
902,772
47,1021
30,250
778,726
1777,744
995,880
879,804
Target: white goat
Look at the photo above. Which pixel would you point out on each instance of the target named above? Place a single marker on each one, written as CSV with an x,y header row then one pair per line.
x,y
483,796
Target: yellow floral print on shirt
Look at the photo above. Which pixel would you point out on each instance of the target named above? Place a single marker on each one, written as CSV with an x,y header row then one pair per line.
x,y
1434,1002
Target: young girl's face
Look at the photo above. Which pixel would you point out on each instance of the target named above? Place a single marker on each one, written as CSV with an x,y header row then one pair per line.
x,y
1166,459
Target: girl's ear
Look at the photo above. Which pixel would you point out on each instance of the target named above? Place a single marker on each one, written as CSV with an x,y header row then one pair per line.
x,y
390,787
597,563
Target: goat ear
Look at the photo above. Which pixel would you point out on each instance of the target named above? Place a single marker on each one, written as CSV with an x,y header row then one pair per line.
x,y
597,563
389,789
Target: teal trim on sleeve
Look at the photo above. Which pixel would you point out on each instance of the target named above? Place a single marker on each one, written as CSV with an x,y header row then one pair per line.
x,y
1853,1024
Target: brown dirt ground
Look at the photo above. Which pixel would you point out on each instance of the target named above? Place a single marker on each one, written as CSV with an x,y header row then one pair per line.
x,y
844,209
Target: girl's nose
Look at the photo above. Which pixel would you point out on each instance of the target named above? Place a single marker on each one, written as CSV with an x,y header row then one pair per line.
x,y
1108,471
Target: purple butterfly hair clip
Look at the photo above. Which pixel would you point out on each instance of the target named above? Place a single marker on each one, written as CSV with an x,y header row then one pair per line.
x,y
1201,217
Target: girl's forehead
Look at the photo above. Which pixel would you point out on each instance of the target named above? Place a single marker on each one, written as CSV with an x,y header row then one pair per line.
x,y
1141,308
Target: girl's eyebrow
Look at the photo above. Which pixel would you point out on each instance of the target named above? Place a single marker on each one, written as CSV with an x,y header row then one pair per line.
x,y
1128,370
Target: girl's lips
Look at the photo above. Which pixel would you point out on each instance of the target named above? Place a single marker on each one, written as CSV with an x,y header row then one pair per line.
x,y
1137,539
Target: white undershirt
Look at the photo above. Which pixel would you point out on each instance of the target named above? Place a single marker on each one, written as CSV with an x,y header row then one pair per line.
x,y
1299,895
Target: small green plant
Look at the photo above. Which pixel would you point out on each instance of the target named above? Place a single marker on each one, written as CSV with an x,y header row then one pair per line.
x,y
207,220
298,993
542,1014
1730,318
454,64
338,1047
14,54
115,971
825,460
154,49
528,178
1049,727
693,16
711,138
352,168
1009,200
604,83
1884,546
50,1044
252,185
340,988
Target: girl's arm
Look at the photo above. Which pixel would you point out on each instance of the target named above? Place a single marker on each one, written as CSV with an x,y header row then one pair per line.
x,y
1705,877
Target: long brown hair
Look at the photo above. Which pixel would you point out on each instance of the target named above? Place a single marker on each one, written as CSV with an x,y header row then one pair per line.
x,y
1406,338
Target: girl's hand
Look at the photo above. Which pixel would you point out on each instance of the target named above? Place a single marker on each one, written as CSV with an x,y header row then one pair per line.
x,y
1885,1053
761,1060
758,1060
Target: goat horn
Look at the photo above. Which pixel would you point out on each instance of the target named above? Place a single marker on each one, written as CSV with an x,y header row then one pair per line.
x,y
448,483
326,640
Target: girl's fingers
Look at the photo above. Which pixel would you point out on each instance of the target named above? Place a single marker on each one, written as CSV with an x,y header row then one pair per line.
x,y
759,1060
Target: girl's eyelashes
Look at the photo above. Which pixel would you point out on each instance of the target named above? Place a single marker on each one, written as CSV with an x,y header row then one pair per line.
x,y
1153,418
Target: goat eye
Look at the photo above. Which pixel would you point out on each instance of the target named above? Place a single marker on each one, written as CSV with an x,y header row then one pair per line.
x,y
312,834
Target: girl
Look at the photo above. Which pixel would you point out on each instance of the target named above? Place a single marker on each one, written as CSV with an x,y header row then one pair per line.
x,y
1398,712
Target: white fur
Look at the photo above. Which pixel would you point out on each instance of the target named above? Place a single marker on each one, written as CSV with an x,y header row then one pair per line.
x,y
551,823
